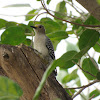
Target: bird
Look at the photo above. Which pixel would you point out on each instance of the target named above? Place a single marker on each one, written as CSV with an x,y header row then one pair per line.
x,y
42,43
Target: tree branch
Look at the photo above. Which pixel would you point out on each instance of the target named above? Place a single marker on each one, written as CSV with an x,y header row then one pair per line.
x,y
44,6
26,68
83,87
38,16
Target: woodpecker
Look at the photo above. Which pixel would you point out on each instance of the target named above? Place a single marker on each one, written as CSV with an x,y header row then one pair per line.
x,y
42,43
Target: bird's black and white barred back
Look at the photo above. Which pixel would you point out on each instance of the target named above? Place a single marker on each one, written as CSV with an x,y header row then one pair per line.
x,y
50,48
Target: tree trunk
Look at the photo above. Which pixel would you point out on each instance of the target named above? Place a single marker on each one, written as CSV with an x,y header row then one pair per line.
x,y
25,67
92,6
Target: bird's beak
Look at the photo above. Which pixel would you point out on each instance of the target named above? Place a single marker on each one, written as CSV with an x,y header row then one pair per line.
x,y
33,27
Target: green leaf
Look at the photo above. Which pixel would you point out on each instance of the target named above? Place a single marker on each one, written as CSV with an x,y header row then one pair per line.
x,y
62,25
26,28
78,82
51,26
31,14
98,1
81,53
17,5
9,24
66,60
61,10
48,1
98,75
89,66
72,76
13,36
97,46
95,92
58,35
45,76
30,23
61,6
9,90
88,39
2,23
46,19
92,21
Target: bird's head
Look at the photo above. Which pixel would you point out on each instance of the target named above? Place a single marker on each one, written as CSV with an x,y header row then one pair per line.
x,y
39,29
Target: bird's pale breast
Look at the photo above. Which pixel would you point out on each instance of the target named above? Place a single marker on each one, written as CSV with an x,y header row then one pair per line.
x,y
40,45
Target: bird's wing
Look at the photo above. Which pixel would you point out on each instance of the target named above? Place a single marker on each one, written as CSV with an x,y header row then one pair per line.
x,y
50,48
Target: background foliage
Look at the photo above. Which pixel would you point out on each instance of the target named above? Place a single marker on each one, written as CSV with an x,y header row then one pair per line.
x,y
77,57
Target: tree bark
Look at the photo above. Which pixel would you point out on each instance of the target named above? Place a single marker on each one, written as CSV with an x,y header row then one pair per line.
x,y
92,6
25,67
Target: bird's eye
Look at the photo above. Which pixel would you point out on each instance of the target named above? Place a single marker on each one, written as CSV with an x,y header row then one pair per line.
x,y
40,26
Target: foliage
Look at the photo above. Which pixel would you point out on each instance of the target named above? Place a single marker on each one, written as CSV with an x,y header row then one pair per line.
x,y
98,2
16,33
9,90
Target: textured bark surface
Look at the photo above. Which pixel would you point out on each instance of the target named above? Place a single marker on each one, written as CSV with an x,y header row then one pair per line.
x,y
92,6
24,66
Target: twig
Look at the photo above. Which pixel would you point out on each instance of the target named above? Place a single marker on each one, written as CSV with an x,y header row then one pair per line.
x,y
75,8
44,6
91,97
71,17
78,92
84,88
94,28
84,70
93,61
98,43
38,16
61,14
